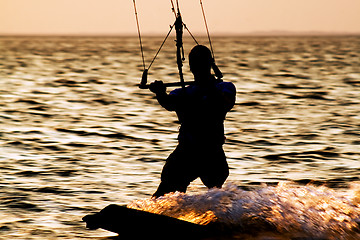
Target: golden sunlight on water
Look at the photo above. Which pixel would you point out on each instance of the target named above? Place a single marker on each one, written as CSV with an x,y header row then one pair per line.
x,y
77,134
171,207
203,219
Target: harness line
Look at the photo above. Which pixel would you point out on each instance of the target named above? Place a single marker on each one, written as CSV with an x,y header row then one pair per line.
x,y
162,44
190,33
138,28
217,71
207,29
180,56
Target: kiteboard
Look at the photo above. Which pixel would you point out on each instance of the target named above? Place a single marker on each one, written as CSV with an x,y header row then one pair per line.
x,y
136,224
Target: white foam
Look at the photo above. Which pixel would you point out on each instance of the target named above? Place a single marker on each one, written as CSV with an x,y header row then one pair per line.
x,y
288,208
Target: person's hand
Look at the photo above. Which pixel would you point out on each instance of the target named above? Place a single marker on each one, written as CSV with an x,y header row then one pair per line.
x,y
157,87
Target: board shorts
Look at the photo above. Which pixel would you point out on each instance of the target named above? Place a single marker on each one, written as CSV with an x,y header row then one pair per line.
x,y
187,163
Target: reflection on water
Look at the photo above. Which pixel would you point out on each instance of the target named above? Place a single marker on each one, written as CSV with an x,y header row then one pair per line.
x,y
77,134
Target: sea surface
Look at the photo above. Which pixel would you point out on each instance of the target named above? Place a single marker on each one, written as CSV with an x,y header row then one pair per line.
x,y
77,134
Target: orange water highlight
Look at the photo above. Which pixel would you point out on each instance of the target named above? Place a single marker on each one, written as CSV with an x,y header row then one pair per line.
x,y
288,209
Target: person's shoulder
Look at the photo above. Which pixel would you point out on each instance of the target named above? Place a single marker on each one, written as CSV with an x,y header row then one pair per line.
x,y
191,89
175,92
227,87
226,84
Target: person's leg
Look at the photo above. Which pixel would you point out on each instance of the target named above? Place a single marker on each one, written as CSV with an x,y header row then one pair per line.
x,y
215,170
168,187
176,174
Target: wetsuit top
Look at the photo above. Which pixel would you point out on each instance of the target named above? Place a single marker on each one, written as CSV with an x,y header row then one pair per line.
x,y
201,111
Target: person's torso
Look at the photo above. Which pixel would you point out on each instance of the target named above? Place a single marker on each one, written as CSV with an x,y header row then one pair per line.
x,y
201,113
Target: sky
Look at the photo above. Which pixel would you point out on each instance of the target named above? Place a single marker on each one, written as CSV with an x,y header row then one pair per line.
x,y
114,17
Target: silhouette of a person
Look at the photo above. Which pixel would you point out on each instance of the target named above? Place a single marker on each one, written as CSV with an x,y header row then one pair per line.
x,y
201,109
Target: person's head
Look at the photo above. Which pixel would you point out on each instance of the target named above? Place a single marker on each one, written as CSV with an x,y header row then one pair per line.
x,y
200,60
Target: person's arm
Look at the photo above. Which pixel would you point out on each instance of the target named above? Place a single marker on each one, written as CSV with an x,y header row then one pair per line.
x,y
165,100
229,96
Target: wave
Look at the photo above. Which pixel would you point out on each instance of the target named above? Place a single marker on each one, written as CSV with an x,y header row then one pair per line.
x,y
286,209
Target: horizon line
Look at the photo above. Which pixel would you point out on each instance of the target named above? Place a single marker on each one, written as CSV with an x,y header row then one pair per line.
x,y
274,33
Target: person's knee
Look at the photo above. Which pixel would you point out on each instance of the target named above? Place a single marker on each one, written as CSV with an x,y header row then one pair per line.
x,y
168,187
212,180
213,183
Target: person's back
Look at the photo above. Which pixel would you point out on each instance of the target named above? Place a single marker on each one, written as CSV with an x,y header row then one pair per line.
x,y
202,110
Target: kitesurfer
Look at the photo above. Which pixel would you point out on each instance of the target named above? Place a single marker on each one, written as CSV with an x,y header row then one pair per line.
x,y
201,109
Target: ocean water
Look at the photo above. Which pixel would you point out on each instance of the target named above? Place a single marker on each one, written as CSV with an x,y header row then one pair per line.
x,y
77,134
